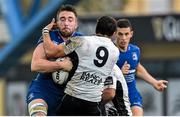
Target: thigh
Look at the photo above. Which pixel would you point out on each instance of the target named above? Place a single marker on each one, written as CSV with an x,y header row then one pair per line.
x,y
45,92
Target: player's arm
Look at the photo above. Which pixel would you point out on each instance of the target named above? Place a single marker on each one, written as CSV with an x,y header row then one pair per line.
x,y
109,89
142,73
108,95
60,50
51,49
40,63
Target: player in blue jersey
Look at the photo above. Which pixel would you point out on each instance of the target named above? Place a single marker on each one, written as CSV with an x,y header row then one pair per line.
x,y
96,57
129,63
43,94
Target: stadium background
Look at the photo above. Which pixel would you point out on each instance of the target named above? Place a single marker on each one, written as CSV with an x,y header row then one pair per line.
x,y
157,32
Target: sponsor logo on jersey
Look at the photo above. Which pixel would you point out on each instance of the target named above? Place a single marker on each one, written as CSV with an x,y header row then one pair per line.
x,y
91,78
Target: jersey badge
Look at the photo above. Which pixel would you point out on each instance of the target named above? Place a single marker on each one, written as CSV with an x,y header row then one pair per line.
x,y
134,56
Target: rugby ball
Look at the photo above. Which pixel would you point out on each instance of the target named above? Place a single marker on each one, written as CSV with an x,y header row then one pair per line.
x,y
60,76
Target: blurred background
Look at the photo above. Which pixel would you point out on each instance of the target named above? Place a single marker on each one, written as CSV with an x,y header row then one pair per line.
x,y
156,31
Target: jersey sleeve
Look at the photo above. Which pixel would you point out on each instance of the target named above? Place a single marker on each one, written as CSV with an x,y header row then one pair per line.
x,y
110,81
116,74
72,44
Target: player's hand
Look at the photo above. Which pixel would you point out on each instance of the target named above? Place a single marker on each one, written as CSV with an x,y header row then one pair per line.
x,y
51,25
125,68
161,85
67,64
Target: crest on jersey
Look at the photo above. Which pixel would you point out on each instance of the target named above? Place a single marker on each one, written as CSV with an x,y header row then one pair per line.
x,y
134,56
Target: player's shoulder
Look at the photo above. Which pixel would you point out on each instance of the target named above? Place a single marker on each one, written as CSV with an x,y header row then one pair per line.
x,y
78,34
134,47
116,68
54,32
78,38
85,38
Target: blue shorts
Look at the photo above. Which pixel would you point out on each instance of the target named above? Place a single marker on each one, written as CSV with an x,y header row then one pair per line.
x,y
47,90
134,95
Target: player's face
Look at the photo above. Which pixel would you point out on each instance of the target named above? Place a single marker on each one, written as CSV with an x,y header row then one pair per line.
x,y
123,37
67,23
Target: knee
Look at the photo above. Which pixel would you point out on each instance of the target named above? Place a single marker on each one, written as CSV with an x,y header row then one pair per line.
x,y
137,111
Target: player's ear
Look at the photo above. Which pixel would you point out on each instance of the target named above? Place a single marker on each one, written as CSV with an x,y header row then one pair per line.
x,y
77,25
132,32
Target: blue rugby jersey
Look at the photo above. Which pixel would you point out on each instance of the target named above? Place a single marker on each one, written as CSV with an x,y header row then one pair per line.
x,y
132,56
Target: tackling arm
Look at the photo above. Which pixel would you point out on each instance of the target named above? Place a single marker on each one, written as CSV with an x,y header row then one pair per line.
x,y
60,50
109,88
50,48
108,94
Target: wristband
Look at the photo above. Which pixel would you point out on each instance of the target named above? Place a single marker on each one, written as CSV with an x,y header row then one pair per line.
x,y
45,30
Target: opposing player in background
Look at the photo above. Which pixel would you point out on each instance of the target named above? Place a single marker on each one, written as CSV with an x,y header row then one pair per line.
x,y
129,63
43,94
97,56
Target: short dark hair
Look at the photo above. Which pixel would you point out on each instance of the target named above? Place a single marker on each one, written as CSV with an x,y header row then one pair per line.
x,y
124,23
66,7
106,25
